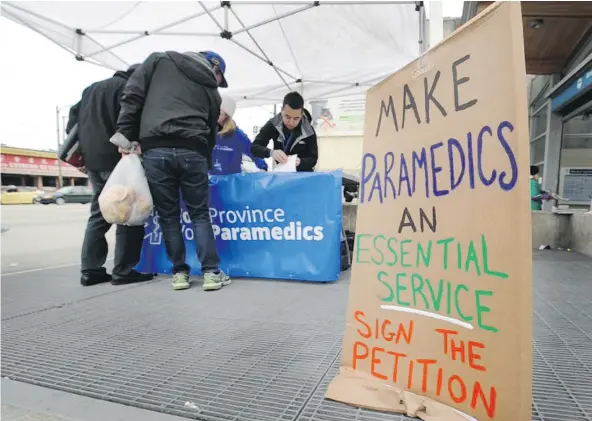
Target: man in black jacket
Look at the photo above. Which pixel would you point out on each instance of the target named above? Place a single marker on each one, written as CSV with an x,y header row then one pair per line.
x,y
291,134
171,106
96,116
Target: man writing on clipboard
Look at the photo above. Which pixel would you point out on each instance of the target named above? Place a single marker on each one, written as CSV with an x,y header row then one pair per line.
x,y
292,134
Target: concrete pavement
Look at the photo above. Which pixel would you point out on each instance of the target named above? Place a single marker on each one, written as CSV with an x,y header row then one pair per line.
x,y
255,351
43,236
26,402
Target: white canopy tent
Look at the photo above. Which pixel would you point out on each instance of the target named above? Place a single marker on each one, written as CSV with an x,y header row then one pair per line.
x,y
322,49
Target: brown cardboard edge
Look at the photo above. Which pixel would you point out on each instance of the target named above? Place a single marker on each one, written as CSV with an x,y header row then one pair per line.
x,y
357,389
526,319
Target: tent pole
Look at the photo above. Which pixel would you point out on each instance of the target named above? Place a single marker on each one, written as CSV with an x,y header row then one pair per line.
x,y
18,19
114,31
276,69
108,51
334,91
78,43
267,100
262,51
154,31
420,8
326,82
363,3
262,58
273,88
60,180
119,44
143,33
190,34
265,22
368,83
327,3
210,15
226,6
38,16
424,38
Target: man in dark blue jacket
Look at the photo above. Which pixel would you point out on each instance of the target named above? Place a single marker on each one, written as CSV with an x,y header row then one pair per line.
x,y
171,107
96,116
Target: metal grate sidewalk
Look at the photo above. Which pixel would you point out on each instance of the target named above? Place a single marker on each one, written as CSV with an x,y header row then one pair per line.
x,y
258,350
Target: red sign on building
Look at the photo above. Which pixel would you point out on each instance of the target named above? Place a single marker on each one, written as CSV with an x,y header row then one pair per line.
x,y
28,165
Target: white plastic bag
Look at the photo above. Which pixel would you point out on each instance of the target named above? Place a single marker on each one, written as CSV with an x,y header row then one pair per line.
x,y
126,198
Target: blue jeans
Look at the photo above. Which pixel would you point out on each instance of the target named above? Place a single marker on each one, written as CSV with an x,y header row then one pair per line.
x,y
169,170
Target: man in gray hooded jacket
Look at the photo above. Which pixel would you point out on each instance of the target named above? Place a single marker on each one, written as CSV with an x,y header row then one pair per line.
x,y
170,106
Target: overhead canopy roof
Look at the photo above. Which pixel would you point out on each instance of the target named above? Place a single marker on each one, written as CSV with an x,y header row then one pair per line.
x,y
323,49
553,30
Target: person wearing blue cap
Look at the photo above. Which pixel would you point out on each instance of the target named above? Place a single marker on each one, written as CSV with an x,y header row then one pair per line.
x,y
170,108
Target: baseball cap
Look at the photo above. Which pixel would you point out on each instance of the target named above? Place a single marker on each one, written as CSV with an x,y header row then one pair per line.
x,y
217,60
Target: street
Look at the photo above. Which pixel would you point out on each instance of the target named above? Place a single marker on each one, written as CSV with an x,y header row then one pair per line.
x,y
43,236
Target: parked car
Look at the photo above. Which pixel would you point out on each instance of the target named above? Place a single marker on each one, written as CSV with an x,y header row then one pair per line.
x,y
70,194
12,195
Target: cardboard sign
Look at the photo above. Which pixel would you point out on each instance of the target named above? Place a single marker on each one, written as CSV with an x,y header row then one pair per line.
x,y
439,324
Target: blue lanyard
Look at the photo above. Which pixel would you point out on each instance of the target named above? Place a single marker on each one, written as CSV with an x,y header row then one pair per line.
x,y
288,143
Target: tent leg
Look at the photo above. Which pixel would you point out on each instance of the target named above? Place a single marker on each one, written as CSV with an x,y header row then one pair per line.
x,y
420,9
78,43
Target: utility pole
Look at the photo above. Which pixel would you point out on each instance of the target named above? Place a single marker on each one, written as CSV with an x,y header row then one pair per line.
x,y
61,181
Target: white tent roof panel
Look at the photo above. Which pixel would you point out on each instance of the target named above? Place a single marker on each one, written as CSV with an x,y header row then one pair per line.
x,y
333,49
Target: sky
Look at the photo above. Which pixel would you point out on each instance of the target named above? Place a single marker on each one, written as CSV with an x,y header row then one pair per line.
x,y
36,76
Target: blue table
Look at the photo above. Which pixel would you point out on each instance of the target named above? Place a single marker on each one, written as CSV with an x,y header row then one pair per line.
x,y
267,225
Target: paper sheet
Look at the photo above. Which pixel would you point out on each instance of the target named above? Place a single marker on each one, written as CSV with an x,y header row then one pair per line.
x,y
289,166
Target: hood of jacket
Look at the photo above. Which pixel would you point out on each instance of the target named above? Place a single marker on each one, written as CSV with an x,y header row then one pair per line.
x,y
306,129
195,67
125,74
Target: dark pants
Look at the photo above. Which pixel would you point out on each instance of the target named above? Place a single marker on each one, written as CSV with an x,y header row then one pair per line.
x,y
169,170
128,240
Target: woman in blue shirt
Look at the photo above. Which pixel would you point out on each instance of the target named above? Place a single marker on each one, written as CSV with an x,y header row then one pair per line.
x,y
231,143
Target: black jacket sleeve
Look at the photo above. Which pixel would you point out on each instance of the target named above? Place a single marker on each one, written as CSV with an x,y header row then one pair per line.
x,y
215,102
73,117
259,147
133,98
308,162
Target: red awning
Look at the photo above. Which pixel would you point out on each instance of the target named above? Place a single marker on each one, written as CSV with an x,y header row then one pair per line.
x,y
27,165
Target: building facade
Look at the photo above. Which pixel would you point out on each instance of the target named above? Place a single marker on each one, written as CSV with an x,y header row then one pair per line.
x,y
33,168
558,54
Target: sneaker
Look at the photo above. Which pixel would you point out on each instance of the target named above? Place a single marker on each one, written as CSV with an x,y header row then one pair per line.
x,y
224,279
180,281
215,280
